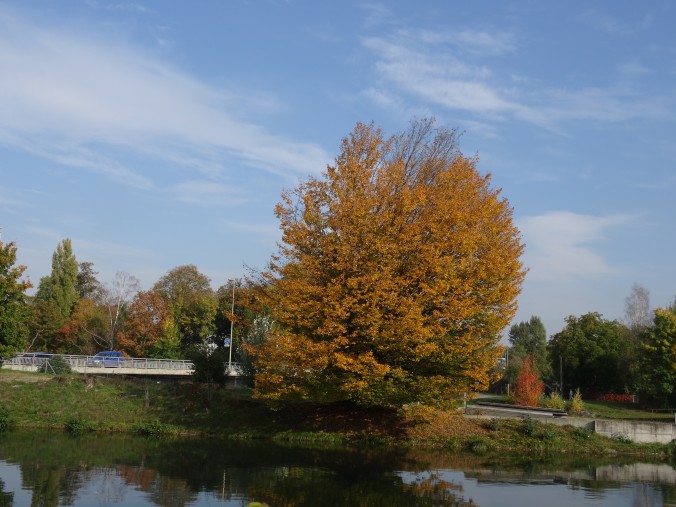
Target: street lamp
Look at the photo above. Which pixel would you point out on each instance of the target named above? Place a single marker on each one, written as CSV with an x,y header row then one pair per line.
x,y
232,320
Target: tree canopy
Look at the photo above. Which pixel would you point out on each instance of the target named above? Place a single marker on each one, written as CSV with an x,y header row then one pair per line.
x,y
593,353
14,312
658,359
192,302
397,270
528,339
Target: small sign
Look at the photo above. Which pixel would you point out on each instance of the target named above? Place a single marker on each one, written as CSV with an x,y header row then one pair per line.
x,y
226,342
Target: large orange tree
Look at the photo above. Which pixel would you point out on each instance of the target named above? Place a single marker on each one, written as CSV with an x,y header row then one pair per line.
x,y
396,273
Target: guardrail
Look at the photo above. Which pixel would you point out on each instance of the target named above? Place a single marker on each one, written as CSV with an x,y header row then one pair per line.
x,y
88,363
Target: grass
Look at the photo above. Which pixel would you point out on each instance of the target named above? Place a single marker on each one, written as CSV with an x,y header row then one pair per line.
x,y
607,410
624,411
78,404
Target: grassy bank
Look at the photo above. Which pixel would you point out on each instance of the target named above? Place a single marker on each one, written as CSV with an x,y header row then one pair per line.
x,y
115,404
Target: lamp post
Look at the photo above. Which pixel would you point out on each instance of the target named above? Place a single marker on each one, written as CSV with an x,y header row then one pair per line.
x,y
232,319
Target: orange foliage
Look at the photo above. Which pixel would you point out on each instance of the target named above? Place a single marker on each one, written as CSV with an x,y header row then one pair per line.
x,y
397,271
529,388
146,323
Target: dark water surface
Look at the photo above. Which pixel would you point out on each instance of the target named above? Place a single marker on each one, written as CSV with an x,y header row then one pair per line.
x,y
50,469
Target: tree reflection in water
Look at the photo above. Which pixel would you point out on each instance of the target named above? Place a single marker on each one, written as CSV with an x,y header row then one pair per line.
x,y
61,469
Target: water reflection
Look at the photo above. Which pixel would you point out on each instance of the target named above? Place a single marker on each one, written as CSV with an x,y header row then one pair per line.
x,y
51,469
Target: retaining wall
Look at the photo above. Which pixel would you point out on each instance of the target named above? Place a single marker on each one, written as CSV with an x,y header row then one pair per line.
x,y
641,432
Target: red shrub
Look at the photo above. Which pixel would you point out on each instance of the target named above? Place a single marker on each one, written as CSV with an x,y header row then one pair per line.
x,y
529,387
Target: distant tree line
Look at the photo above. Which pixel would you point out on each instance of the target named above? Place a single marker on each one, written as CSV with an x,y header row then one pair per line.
x,y
72,312
600,356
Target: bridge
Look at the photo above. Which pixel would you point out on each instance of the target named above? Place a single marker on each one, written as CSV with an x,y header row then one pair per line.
x,y
119,366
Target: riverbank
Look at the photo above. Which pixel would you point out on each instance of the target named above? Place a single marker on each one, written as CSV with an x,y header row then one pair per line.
x,y
79,404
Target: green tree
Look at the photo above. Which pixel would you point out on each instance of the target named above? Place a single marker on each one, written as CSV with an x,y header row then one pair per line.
x,y
192,302
528,339
87,285
658,358
14,309
594,354
61,285
44,323
397,272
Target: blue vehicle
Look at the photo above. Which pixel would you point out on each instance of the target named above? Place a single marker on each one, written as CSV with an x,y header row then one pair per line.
x,y
107,359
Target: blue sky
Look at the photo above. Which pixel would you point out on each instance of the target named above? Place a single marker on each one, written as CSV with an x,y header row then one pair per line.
x,y
161,133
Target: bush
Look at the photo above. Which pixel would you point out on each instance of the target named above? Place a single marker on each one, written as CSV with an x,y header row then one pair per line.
x,y
152,428
77,425
56,365
553,401
529,426
4,419
576,406
494,424
618,398
528,386
479,445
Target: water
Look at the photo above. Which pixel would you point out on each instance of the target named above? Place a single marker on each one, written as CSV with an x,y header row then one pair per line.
x,y
51,469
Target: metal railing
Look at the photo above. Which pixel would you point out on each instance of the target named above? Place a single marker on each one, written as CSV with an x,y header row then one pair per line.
x,y
40,359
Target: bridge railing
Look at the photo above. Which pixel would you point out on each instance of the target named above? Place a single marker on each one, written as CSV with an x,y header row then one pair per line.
x,y
39,359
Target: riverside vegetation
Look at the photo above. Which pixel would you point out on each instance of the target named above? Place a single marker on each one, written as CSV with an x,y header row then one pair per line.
x,y
79,404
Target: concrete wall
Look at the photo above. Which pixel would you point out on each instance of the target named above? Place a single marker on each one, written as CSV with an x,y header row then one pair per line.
x,y
641,432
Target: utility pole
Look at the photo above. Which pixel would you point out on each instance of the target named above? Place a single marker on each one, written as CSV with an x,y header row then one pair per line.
x,y
232,321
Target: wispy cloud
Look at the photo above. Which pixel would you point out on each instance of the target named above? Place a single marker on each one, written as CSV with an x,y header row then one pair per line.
x,y
207,193
444,69
93,104
560,244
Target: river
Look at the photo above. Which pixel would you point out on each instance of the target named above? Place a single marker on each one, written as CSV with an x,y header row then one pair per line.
x,y
50,469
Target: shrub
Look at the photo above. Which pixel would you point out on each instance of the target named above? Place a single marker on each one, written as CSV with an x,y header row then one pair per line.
x,y
152,428
529,426
77,425
576,406
479,445
494,424
56,365
618,398
528,387
548,433
4,419
554,401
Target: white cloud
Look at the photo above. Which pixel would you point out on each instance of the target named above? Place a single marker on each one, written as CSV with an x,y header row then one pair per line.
x,y
90,103
559,245
442,69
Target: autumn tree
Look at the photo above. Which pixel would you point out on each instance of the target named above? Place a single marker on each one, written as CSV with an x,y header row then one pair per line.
x,y
397,270
658,358
85,332
192,302
528,338
528,387
148,323
14,310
